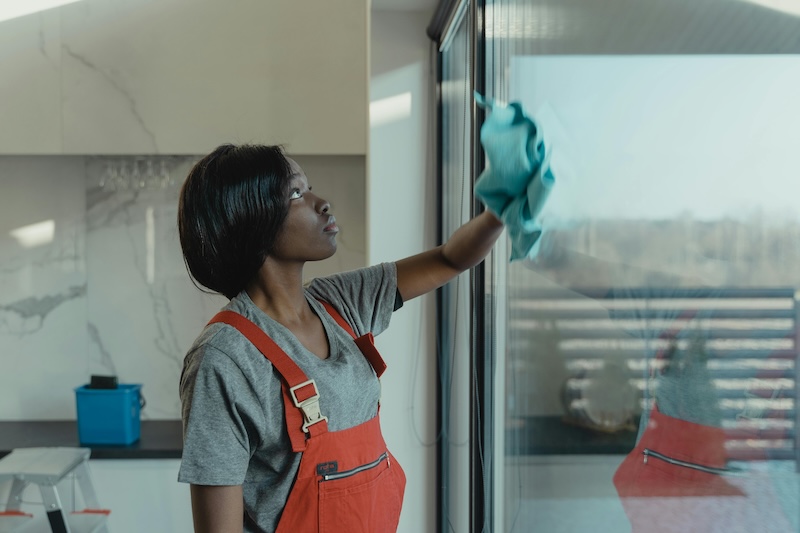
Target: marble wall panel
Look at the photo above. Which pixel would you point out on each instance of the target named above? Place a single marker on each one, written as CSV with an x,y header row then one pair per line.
x,y
106,290
30,84
43,286
142,308
174,76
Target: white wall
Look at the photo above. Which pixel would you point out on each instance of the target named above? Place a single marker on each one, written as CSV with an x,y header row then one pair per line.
x,y
401,222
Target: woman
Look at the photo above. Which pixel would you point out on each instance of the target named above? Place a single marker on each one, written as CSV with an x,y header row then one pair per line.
x,y
281,430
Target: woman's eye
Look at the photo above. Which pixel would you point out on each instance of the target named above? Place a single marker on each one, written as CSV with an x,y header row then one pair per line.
x,y
296,194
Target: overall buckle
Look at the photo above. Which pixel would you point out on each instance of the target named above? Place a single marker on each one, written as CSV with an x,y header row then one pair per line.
x,y
309,406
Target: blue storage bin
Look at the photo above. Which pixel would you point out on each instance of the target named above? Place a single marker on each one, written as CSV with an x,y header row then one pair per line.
x,y
109,416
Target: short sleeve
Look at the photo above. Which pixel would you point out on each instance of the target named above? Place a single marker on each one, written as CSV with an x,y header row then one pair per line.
x,y
220,418
365,297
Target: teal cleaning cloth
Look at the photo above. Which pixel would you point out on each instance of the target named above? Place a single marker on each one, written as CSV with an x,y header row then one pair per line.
x,y
517,179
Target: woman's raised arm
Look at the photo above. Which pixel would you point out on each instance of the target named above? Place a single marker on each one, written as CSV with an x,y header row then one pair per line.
x,y
469,244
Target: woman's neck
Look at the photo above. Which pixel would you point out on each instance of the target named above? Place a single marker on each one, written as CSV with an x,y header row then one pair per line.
x,y
278,291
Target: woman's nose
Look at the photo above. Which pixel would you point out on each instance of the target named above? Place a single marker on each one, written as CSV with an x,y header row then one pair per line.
x,y
323,206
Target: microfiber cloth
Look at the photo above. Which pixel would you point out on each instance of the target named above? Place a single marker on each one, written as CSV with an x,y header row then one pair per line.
x,y
517,179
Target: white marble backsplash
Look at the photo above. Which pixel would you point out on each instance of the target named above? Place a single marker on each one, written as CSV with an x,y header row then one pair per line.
x,y
104,289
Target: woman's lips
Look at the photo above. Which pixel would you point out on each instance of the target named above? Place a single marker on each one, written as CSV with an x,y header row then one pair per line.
x,y
331,227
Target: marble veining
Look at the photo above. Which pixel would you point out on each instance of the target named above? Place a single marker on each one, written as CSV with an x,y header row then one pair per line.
x,y
104,365
132,106
27,316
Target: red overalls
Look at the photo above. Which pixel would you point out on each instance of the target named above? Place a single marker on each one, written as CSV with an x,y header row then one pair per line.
x,y
347,480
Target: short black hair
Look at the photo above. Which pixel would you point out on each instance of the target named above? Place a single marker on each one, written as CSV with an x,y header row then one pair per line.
x,y
231,208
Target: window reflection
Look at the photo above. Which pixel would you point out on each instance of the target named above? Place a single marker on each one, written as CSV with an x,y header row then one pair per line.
x,y
650,367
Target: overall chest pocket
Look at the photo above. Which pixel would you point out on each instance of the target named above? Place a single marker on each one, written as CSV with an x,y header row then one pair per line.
x,y
367,498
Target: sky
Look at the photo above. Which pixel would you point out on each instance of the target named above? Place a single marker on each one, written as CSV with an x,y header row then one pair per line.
x,y
657,137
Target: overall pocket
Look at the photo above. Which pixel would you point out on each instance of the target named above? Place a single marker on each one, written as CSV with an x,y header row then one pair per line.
x,y
365,499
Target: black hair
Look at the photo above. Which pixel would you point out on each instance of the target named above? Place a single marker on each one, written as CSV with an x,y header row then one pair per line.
x,y
231,208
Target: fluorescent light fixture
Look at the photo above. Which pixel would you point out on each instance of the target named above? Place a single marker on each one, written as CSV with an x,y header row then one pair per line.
x,y
390,109
35,234
790,7
11,9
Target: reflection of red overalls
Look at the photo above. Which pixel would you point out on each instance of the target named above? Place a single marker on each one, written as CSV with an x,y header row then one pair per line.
x,y
676,480
347,480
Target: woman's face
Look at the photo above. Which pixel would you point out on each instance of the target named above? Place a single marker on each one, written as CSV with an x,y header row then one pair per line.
x,y
309,231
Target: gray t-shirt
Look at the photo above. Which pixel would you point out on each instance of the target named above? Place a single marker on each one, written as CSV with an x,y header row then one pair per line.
x,y
233,414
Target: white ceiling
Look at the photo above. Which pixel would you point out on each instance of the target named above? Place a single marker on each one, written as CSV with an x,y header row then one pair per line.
x,y
404,5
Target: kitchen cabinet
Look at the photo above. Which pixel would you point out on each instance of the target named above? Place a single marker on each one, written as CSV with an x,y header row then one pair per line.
x,y
180,77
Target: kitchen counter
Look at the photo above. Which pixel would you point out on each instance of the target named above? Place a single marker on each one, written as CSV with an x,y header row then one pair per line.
x,y
159,439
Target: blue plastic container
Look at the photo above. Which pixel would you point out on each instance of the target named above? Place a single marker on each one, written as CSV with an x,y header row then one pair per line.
x,y
109,416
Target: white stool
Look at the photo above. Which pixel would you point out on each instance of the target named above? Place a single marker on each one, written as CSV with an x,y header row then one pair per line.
x,y
46,467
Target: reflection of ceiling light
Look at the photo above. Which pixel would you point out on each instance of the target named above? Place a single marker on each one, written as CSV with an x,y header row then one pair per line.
x,y
390,109
35,234
791,7
10,9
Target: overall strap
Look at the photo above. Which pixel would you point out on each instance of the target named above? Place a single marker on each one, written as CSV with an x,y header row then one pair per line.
x,y
365,343
300,394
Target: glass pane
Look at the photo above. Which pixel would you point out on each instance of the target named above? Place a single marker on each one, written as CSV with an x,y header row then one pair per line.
x,y
454,337
647,355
